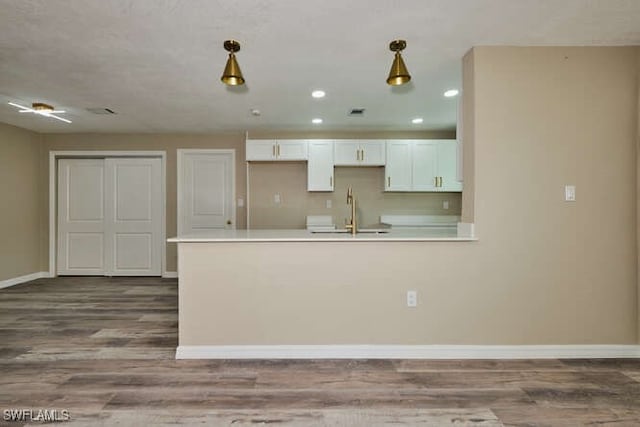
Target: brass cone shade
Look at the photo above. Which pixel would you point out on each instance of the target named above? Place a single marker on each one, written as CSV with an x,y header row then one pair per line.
x,y
232,75
398,75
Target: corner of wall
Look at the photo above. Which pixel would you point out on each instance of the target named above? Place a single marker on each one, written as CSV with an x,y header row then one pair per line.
x,y
468,132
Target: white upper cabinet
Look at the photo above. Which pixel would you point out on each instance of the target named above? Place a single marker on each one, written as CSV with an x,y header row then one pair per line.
x,y
360,153
422,165
398,169
272,149
320,165
448,166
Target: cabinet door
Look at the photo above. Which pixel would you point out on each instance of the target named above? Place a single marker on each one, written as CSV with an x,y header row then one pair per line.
x,y
424,163
398,167
320,166
448,166
347,153
293,149
372,153
261,150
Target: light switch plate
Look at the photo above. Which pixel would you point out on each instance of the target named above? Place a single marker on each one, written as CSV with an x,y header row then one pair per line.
x,y
445,204
570,193
412,298
329,204
240,202
276,198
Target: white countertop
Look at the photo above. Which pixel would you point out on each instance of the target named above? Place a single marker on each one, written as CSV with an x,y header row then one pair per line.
x,y
422,234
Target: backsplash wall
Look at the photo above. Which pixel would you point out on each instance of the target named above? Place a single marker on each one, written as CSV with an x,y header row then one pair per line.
x,y
289,181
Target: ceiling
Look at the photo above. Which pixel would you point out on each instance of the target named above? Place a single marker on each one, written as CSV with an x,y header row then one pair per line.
x,y
157,63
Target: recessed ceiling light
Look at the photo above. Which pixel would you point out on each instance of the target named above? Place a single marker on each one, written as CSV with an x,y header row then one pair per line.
x,y
316,121
318,93
417,120
451,93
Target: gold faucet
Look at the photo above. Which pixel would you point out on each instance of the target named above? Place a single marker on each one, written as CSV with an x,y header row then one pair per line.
x,y
351,225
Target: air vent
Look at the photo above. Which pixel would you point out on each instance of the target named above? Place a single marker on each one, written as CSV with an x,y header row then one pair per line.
x,y
101,111
357,112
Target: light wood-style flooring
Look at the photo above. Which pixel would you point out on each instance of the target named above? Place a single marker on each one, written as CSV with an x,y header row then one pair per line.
x,y
103,349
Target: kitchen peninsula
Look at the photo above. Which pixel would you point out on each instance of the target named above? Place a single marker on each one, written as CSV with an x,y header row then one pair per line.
x,y
293,293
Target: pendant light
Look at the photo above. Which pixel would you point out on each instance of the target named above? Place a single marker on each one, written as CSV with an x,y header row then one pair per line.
x,y
398,74
232,75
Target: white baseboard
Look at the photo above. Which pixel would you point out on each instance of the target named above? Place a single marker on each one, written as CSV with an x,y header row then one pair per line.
x,y
407,351
22,279
170,274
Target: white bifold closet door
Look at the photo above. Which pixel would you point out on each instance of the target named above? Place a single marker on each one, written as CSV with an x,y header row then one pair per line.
x,y
109,217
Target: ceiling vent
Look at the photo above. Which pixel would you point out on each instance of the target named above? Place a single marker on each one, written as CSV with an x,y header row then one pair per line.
x,y
356,112
101,111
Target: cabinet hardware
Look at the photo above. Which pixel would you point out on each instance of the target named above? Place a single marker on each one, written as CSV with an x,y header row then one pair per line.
x,y
388,181
278,149
440,179
273,150
436,179
228,222
362,155
330,181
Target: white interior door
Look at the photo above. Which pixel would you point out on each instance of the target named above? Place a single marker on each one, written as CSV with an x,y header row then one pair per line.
x,y
110,217
133,207
81,217
206,189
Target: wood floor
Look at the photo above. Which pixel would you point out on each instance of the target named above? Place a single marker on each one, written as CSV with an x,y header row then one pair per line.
x,y
103,349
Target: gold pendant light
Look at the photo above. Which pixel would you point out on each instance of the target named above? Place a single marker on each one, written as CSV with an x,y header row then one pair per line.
x,y
398,74
232,75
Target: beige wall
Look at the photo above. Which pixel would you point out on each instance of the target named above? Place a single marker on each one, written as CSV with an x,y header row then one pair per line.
x,y
20,195
544,271
289,179
544,118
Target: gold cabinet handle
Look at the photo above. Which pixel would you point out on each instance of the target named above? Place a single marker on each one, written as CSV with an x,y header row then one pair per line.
x,y
389,181
273,150
362,155
330,181
436,179
440,185
278,149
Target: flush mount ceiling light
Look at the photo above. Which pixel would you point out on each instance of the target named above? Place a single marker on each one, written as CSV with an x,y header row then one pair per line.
x,y
398,74
417,120
451,93
41,109
316,121
232,75
318,93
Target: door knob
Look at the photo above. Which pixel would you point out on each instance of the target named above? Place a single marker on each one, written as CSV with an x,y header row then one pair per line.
x,y
228,222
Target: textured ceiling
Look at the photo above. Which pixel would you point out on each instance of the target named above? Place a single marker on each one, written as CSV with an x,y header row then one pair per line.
x,y
157,63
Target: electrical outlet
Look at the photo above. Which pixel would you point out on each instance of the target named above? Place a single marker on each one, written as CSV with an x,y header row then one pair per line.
x,y
412,298
329,203
445,204
240,202
276,198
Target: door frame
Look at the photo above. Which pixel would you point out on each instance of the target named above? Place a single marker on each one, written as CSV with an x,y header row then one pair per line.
x,y
181,154
79,154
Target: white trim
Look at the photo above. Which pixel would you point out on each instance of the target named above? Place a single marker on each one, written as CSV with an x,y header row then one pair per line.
x,y
53,173
180,157
170,275
406,351
22,279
